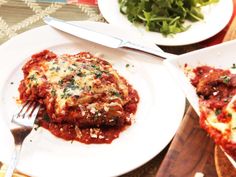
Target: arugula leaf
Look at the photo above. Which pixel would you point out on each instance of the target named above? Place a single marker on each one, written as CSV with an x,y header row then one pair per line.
x,y
164,16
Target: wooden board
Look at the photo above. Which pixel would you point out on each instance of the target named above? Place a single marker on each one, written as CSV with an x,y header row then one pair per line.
x,y
223,167
190,152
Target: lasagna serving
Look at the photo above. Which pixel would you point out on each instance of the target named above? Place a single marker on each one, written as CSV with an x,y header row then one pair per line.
x,y
83,98
216,89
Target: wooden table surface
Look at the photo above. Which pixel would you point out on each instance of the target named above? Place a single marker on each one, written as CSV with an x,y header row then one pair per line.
x,y
17,16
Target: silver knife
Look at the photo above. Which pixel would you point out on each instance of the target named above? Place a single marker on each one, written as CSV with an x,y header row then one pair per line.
x,y
100,38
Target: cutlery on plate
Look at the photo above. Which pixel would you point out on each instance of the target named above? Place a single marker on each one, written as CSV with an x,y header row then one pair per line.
x,y
86,33
21,125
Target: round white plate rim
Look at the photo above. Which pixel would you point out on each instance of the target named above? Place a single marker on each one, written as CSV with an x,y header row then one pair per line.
x,y
25,36
211,25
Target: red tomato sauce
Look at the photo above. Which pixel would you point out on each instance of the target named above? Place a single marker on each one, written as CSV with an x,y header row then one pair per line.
x,y
88,135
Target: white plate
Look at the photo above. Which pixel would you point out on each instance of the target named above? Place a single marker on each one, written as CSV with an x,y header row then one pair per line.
x,y
219,56
216,17
158,116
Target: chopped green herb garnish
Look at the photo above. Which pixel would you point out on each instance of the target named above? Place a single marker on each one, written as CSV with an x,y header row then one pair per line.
x,y
105,71
225,79
98,74
72,84
57,68
217,111
234,128
234,66
32,77
95,67
46,117
53,92
65,90
72,80
60,82
127,65
65,94
115,93
71,69
80,74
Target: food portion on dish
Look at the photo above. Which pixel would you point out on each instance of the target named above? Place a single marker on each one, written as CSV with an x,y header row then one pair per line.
x,y
82,96
164,16
216,89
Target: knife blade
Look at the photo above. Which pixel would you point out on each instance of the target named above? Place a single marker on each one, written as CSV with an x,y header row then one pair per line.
x,y
89,34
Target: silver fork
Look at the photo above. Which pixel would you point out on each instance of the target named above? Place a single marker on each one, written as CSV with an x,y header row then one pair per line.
x,y
21,125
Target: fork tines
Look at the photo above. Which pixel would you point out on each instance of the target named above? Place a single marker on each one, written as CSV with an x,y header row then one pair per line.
x,y
27,114
27,109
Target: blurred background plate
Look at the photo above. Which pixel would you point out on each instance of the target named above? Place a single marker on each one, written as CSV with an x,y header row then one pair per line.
x,y
218,56
214,21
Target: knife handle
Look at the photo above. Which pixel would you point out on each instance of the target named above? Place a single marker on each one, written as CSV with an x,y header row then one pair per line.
x,y
153,51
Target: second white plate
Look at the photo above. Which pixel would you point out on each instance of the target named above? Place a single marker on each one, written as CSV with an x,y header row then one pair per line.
x,y
218,56
214,21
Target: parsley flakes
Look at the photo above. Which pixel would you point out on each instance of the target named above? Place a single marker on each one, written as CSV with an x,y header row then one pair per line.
x,y
32,77
53,92
66,93
115,93
217,112
46,118
234,66
225,79
72,84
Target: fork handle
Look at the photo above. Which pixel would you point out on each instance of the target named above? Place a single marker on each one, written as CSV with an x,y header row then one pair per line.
x,y
13,162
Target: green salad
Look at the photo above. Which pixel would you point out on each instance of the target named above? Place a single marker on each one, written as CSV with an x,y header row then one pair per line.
x,y
164,16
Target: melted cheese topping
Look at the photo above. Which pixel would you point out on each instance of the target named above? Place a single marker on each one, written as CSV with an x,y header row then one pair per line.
x,y
227,128
223,127
214,122
71,76
231,110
